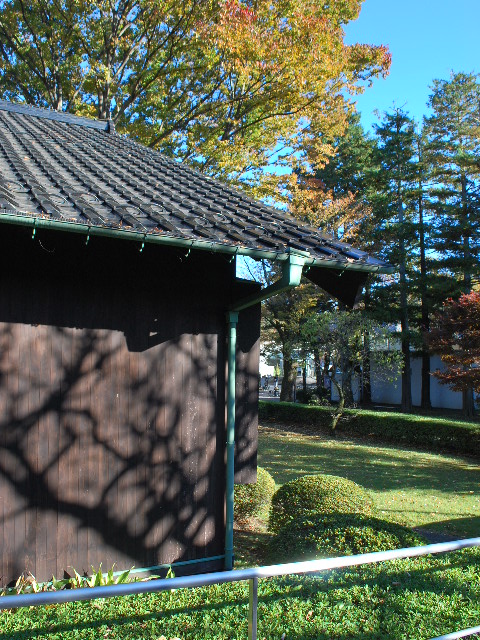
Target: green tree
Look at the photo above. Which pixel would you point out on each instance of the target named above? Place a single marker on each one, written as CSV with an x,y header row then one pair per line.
x,y
452,150
394,199
340,335
423,281
282,320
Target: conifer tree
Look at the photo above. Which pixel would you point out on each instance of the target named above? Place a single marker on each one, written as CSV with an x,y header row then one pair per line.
x,y
423,289
393,197
452,151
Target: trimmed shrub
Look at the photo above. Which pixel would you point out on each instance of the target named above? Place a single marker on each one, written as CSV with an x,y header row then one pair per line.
x,y
317,494
338,534
250,500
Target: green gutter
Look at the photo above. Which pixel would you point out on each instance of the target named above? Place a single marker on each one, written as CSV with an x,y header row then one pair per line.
x,y
291,276
202,245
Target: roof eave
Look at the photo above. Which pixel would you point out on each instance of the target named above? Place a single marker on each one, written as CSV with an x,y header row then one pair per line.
x,y
39,222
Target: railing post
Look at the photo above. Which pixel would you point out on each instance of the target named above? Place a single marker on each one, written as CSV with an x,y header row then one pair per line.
x,y
252,609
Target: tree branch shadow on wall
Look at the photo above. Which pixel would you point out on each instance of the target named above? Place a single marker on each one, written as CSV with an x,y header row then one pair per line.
x,y
97,459
112,404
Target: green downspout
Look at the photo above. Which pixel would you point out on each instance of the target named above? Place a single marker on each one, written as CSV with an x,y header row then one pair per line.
x,y
232,317
291,276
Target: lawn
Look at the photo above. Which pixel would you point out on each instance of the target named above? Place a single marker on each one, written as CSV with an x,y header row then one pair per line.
x,y
438,493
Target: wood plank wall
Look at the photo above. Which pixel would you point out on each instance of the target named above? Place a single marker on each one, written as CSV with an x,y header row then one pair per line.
x,y
112,404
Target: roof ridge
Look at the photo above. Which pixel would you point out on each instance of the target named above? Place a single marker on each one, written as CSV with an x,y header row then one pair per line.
x,y
50,114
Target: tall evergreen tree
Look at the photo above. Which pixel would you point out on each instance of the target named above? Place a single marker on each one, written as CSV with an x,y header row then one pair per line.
x,y
422,271
393,197
452,152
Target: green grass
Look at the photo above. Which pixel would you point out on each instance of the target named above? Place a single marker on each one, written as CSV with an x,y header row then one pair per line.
x,y
427,432
410,599
440,493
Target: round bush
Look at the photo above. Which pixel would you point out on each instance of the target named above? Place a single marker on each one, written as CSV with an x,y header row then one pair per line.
x,y
338,534
250,500
317,494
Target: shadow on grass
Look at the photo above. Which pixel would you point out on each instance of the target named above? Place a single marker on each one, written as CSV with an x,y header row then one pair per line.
x,y
250,547
443,530
376,468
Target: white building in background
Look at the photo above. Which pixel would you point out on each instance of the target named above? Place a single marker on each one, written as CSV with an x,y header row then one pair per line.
x,y
266,369
442,397
268,366
390,391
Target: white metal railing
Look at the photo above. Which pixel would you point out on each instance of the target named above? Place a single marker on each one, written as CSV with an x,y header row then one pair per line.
x,y
252,575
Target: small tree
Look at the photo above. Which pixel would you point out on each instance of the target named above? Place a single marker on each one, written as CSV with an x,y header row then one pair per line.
x,y
455,336
341,335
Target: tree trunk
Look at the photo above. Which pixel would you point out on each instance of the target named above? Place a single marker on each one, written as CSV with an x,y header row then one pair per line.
x,y
347,375
425,401
304,376
341,404
406,378
326,363
318,372
289,377
468,404
467,257
406,372
366,389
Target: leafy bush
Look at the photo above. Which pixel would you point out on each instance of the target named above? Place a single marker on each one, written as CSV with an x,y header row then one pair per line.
x,y
311,398
251,500
317,494
27,583
338,534
426,432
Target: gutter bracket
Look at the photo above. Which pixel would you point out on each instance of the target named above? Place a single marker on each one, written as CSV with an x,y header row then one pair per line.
x,y
291,276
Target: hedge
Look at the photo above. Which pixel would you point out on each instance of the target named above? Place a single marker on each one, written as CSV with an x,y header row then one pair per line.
x,y
319,494
251,500
425,432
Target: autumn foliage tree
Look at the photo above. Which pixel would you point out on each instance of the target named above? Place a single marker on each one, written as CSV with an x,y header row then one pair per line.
x,y
231,86
455,336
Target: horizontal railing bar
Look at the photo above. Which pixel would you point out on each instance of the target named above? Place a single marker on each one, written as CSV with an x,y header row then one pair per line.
x,y
221,577
459,634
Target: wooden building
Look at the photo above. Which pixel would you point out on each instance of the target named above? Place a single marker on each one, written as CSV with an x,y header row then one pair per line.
x,y
117,276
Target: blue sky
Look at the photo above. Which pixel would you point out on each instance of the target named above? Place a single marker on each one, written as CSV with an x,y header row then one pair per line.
x,y
427,39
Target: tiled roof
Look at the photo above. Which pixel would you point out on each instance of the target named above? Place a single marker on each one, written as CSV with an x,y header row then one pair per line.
x,y
76,173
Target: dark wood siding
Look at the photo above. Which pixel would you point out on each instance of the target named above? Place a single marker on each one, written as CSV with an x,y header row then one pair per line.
x,y
246,391
112,403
